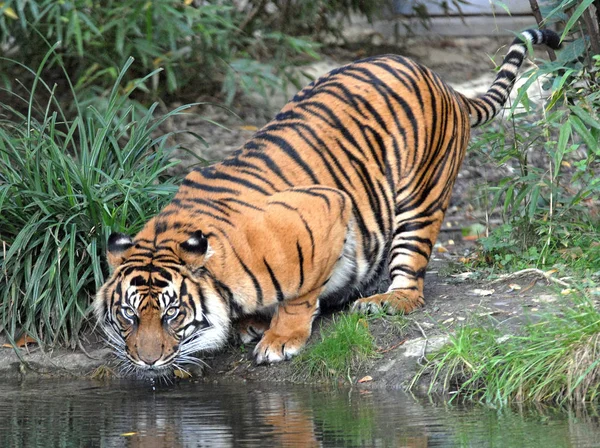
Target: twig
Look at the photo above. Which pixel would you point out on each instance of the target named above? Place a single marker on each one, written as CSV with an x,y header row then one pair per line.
x,y
392,347
535,9
535,271
592,30
252,15
422,357
80,345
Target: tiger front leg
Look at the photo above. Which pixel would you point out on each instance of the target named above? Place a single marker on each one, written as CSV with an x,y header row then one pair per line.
x,y
408,258
304,240
290,328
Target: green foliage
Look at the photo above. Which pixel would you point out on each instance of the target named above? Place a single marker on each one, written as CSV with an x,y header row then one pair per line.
x,y
202,47
553,360
237,46
306,17
551,209
63,186
345,345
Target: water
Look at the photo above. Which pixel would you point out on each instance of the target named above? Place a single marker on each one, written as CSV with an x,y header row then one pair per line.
x,y
128,414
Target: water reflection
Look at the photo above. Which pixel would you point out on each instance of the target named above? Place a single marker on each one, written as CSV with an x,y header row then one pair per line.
x,y
123,414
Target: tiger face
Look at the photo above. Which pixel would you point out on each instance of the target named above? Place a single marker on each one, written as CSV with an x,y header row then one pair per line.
x,y
158,308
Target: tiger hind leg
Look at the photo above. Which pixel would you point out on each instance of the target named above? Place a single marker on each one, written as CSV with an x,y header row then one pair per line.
x,y
408,258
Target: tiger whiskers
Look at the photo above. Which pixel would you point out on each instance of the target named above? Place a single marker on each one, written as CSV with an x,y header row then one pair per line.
x,y
188,359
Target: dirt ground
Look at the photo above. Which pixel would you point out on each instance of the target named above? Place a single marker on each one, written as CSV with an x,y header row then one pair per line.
x,y
453,295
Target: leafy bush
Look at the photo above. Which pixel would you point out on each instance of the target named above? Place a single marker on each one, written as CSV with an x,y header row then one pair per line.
x,y
306,17
552,208
236,46
196,46
63,186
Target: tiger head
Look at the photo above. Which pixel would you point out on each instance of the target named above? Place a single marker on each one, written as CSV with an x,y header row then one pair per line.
x,y
160,306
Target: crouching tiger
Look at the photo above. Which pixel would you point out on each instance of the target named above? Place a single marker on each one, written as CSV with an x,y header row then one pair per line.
x,y
355,172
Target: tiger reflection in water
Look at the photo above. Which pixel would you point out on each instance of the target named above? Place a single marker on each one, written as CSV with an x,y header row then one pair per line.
x,y
274,418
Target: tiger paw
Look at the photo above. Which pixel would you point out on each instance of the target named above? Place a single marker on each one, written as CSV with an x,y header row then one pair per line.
x,y
390,302
275,348
251,328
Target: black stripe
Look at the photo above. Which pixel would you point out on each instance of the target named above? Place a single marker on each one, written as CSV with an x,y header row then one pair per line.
x,y
288,149
276,285
243,203
219,175
257,288
301,264
208,188
261,155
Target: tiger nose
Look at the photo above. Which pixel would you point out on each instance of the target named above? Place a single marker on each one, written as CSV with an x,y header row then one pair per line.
x,y
150,355
149,360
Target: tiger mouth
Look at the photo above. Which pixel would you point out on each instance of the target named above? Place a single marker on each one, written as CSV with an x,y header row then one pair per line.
x,y
162,366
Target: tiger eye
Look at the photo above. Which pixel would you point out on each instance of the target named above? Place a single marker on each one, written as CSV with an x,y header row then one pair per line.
x,y
171,312
129,312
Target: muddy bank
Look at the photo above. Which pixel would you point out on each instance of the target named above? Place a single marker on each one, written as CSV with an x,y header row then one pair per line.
x,y
452,299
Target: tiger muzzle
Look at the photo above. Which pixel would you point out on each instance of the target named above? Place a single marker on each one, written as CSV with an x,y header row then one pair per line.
x,y
149,345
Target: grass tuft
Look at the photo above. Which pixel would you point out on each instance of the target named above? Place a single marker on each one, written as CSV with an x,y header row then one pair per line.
x,y
64,185
345,345
554,360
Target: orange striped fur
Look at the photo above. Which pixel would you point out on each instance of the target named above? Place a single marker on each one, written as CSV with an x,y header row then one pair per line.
x,y
354,174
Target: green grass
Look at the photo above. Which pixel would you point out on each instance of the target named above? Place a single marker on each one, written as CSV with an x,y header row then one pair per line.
x,y
554,360
64,185
346,344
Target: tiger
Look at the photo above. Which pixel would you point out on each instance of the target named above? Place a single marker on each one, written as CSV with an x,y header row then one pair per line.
x,y
351,177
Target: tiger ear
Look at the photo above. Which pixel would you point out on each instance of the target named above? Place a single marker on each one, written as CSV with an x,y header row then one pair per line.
x,y
118,245
194,250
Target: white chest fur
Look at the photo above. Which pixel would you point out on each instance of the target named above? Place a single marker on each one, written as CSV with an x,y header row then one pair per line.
x,y
348,269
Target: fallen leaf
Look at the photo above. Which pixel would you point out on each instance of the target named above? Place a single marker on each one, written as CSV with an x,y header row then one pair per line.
x,y
483,292
182,374
451,242
544,298
22,342
128,434
9,12
514,286
365,379
392,347
441,249
249,127
566,292
572,252
448,321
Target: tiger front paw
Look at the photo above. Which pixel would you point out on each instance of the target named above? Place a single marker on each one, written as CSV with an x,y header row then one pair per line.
x,y
275,348
390,302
